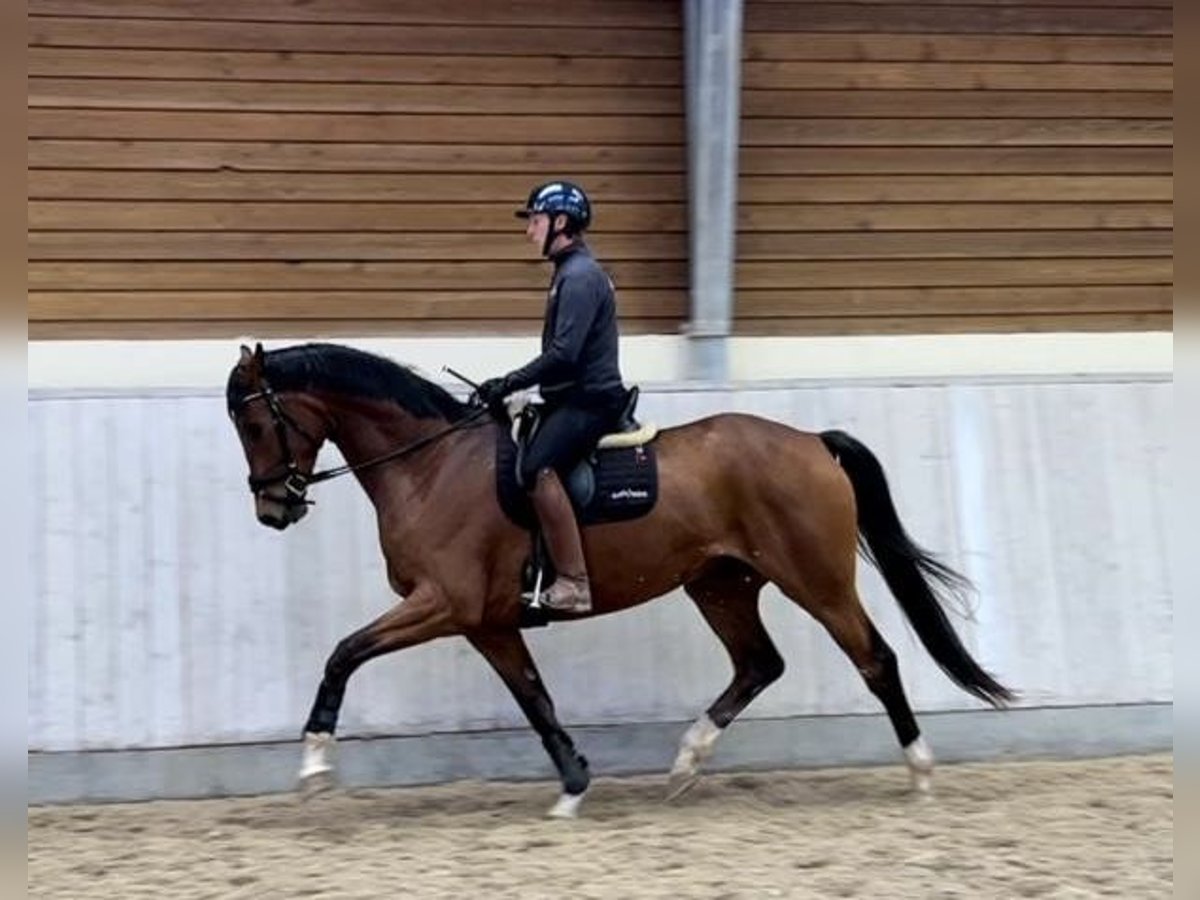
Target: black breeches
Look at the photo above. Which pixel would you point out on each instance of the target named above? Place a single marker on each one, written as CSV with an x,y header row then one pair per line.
x,y
565,436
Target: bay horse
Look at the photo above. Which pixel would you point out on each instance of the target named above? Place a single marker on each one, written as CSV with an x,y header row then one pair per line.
x,y
742,501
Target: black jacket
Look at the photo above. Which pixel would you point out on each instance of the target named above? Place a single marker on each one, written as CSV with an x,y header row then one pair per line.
x,y
579,363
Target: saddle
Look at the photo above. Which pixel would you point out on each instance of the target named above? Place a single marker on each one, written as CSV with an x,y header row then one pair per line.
x,y
617,482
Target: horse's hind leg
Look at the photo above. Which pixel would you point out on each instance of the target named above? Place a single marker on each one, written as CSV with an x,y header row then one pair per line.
x,y
850,626
727,595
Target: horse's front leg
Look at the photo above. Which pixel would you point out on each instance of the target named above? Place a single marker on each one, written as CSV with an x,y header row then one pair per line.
x,y
508,655
422,616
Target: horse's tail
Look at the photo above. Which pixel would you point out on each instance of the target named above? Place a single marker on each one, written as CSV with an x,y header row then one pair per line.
x,y
913,574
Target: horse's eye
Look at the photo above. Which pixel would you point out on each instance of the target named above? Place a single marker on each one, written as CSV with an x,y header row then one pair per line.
x,y
254,432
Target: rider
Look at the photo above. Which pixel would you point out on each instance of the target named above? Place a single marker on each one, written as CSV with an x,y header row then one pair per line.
x,y
577,374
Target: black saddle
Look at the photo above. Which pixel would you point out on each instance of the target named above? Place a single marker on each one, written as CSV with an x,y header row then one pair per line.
x,y
612,484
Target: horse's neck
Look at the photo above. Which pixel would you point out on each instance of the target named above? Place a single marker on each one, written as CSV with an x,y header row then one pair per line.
x,y
368,429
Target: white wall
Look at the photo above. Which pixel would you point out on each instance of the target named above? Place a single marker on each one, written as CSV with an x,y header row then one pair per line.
x,y
164,615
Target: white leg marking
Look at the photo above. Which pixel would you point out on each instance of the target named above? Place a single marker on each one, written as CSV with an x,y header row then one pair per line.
x,y
567,807
317,752
920,765
695,747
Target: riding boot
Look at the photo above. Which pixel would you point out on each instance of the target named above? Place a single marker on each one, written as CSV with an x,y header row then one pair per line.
x,y
570,591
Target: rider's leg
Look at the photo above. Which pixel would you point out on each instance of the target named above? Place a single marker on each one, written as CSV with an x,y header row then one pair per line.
x,y
570,591
566,435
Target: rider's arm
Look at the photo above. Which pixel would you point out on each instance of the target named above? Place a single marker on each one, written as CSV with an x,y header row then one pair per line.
x,y
579,299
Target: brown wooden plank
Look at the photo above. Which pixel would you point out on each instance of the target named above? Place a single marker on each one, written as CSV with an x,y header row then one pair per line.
x,y
942,104
1002,324
931,160
117,306
584,130
116,93
963,75
441,99
82,184
1161,4
391,217
234,245
470,275
958,132
234,329
947,188
340,245
947,273
978,19
789,217
517,40
535,161
936,47
464,275
405,218
580,13
938,244
297,68
955,301
385,128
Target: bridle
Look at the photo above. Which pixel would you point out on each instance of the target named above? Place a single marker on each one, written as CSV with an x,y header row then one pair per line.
x,y
295,482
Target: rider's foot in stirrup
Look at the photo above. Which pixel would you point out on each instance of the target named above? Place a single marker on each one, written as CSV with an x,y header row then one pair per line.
x,y
568,594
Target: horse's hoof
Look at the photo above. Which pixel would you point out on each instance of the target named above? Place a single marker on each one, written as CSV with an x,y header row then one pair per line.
x,y
316,783
567,807
679,783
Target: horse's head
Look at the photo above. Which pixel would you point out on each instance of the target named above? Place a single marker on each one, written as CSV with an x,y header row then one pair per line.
x,y
280,434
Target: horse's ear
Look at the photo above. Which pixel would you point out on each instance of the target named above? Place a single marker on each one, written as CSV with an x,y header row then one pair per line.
x,y
246,357
260,355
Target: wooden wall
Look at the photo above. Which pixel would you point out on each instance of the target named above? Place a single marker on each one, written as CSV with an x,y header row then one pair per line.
x,y
213,168
216,167
955,165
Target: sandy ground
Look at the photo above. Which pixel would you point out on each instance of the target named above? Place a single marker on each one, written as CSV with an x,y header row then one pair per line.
x,y
1058,830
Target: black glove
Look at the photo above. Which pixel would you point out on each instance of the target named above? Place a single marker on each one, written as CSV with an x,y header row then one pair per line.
x,y
492,393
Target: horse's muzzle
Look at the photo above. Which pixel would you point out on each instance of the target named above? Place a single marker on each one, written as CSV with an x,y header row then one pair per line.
x,y
276,512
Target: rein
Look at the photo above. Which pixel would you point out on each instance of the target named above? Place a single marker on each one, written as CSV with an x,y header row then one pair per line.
x,y
461,425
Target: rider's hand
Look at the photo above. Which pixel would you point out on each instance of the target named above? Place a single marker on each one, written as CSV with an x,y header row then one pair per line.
x,y
492,390
492,393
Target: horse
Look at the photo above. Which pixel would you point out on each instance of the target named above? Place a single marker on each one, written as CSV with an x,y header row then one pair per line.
x,y
742,501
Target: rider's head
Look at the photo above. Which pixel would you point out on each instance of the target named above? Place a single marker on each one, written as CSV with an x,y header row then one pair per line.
x,y
555,213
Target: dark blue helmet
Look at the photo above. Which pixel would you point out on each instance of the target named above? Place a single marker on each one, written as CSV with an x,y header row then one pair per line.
x,y
556,197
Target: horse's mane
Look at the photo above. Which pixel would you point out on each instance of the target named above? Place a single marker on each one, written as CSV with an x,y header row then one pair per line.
x,y
344,370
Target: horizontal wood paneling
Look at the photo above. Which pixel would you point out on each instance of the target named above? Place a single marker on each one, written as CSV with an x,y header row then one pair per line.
x,y
985,166
212,166
629,14
353,68
397,158
284,37
940,164
309,275
516,127
935,46
238,245
966,17
415,218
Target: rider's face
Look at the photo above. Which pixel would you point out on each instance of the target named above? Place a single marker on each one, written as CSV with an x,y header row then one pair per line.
x,y
536,227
